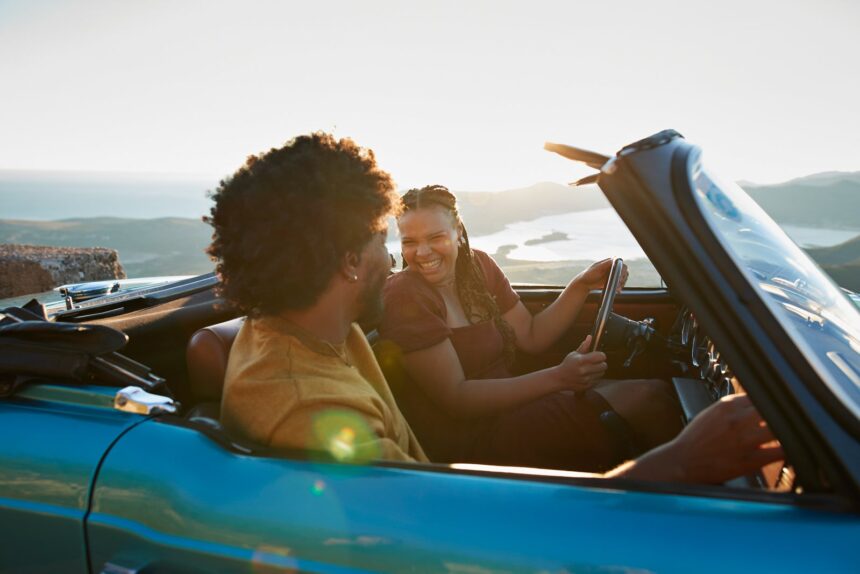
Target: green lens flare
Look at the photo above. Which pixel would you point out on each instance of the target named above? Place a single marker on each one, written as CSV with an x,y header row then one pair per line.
x,y
318,488
346,435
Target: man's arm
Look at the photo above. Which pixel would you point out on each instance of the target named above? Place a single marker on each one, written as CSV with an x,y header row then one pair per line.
x,y
727,440
347,434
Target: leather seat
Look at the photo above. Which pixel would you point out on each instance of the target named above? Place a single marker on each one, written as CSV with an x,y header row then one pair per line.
x,y
206,357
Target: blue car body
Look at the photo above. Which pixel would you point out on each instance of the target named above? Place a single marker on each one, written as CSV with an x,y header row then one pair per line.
x,y
86,487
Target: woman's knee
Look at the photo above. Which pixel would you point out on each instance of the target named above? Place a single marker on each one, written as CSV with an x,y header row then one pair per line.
x,y
650,406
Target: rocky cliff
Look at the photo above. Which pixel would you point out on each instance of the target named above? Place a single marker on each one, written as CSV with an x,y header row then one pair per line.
x,y
33,269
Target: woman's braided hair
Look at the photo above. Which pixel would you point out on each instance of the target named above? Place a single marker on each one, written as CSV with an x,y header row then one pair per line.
x,y
478,304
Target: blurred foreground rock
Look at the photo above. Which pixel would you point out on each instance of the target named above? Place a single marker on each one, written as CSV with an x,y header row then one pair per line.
x,y
33,269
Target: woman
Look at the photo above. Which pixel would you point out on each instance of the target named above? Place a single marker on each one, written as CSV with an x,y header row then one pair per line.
x,y
457,323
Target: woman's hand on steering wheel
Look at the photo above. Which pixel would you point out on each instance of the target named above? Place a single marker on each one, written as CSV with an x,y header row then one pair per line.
x,y
595,276
580,370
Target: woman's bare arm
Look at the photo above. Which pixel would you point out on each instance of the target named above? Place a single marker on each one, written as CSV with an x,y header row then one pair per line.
x,y
438,371
536,333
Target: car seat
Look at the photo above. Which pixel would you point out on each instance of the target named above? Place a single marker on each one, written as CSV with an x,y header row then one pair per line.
x,y
206,358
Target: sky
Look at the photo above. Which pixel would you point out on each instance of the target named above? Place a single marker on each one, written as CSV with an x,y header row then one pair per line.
x,y
460,93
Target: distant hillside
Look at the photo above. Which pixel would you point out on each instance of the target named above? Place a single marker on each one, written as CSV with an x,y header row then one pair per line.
x,y
848,252
830,199
165,246
59,195
847,276
173,245
842,262
824,177
488,212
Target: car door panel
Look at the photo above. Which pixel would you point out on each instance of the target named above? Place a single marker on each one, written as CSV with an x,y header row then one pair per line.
x,y
170,498
46,472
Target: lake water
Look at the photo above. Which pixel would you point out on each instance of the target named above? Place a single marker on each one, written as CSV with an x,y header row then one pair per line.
x,y
591,235
600,233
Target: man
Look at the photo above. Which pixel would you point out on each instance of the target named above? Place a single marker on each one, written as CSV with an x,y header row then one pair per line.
x,y
299,238
300,244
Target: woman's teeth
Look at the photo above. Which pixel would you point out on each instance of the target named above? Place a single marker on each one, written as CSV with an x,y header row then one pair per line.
x,y
430,264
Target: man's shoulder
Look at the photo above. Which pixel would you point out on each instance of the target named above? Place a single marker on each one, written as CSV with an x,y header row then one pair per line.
x,y
261,353
280,370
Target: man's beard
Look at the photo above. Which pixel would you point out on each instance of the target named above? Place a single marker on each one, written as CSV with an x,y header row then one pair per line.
x,y
371,300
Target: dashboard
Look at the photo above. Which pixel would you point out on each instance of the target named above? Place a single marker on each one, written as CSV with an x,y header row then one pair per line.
x,y
706,378
700,358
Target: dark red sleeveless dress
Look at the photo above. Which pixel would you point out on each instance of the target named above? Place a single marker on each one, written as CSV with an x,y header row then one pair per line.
x,y
559,430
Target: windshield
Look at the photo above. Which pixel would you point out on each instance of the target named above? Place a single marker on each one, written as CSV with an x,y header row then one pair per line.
x,y
50,298
815,312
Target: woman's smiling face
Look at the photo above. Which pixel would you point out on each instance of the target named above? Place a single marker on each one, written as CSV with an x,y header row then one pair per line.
x,y
428,239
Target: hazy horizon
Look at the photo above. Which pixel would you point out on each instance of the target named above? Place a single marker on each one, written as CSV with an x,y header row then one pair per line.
x,y
38,195
156,176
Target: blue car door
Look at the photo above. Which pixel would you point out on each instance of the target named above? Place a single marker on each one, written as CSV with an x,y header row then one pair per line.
x,y
168,498
54,439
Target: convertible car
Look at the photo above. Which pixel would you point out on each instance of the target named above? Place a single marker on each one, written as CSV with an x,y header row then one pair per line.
x,y
114,459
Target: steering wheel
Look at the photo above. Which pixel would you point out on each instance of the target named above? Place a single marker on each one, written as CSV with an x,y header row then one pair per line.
x,y
605,309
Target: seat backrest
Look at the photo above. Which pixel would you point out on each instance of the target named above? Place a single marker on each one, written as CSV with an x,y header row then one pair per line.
x,y
206,357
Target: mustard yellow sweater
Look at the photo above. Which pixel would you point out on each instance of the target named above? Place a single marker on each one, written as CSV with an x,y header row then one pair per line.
x,y
285,388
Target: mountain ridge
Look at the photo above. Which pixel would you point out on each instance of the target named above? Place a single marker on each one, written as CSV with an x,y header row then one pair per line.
x,y
174,244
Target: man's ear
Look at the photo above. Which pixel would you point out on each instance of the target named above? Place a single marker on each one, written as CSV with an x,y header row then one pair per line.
x,y
349,266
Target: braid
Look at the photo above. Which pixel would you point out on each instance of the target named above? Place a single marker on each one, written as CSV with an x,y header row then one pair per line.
x,y
470,282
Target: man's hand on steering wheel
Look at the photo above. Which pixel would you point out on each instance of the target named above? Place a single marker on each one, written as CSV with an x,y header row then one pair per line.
x,y
595,276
